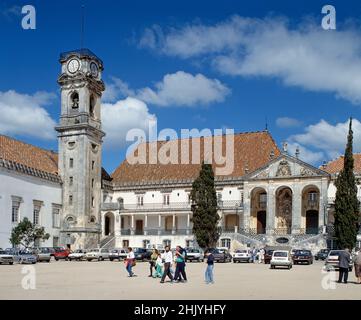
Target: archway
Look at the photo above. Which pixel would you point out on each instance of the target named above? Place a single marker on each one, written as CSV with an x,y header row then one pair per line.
x,y
258,210
310,209
312,222
261,222
284,210
108,224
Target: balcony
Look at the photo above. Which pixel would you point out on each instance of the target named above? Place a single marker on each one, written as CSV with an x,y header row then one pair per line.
x,y
155,232
230,205
111,206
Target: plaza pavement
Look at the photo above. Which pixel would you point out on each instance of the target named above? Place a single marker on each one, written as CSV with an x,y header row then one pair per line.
x,y
108,280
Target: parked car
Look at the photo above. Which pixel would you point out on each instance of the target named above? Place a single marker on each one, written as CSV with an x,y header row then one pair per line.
x,y
97,254
142,254
322,254
281,258
118,254
332,261
221,255
77,255
6,258
61,254
24,257
42,254
302,256
193,254
242,255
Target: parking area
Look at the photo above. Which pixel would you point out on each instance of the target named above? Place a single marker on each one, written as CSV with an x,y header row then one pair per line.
x,y
108,280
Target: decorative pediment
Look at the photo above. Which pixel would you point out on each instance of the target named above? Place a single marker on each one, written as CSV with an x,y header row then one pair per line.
x,y
286,166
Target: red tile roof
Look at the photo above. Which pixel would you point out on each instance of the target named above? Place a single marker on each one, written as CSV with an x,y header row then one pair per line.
x,y
336,166
251,151
28,155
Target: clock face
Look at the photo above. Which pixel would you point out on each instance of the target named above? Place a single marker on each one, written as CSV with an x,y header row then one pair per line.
x,y
94,69
73,65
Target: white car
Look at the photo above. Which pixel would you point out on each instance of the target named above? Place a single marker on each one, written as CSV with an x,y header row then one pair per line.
x,y
242,255
6,258
194,255
281,258
97,254
77,255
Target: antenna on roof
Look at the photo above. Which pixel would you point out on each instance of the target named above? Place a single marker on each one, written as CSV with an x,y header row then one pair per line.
x,y
266,125
82,25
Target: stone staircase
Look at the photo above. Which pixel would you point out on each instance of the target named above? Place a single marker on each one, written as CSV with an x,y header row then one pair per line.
x,y
108,241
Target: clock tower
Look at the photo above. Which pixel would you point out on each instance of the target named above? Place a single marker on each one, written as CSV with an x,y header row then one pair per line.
x,y
80,147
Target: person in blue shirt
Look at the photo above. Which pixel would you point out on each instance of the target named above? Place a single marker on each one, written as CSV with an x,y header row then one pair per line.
x,y
180,267
210,266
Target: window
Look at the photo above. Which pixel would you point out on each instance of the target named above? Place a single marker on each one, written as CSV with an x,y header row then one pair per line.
x,y
146,244
189,243
15,217
93,163
36,214
93,202
167,243
71,162
166,199
74,100
71,180
312,196
140,200
56,216
263,200
70,200
189,198
92,106
55,242
92,183
226,243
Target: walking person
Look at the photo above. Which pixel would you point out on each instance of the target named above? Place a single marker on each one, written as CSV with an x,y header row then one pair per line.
x,y
130,262
261,255
152,261
210,266
357,264
158,266
344,259
180,265
168,259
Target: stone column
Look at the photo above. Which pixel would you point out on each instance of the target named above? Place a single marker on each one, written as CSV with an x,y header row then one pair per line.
x,y
246,208
271,210
296,207
322,215
132,231
174,226
146,225
188,223
159,224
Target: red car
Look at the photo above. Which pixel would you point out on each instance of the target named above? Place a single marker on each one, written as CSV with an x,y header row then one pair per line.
x,y
61,253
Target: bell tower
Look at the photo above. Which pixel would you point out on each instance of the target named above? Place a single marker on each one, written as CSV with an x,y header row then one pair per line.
x,y
80,147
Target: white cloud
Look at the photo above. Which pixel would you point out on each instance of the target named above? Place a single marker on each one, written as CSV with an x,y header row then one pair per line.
x,y
324,141
120,117
176,89
286,122
305,56
24,115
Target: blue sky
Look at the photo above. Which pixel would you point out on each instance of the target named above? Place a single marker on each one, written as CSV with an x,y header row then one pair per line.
x,y
191,64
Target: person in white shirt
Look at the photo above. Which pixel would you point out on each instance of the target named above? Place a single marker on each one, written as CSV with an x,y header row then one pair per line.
x,y
168,260
129,262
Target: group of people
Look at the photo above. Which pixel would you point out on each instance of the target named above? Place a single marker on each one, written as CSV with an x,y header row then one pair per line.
x,y
168,265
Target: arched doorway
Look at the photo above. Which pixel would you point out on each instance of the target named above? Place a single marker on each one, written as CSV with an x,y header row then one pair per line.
x,y
310,209
108,224
284,210
258,210
312,222
261,222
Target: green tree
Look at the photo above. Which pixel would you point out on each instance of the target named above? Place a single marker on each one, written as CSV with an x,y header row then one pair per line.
x,y
346,203
205,210
26,234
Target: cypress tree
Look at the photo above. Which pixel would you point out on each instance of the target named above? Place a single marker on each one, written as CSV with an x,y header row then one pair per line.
x,y
205,210
346,203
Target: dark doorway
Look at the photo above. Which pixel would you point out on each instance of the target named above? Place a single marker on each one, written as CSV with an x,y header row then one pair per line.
x,y
139,227
261,222
107,226
312,222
